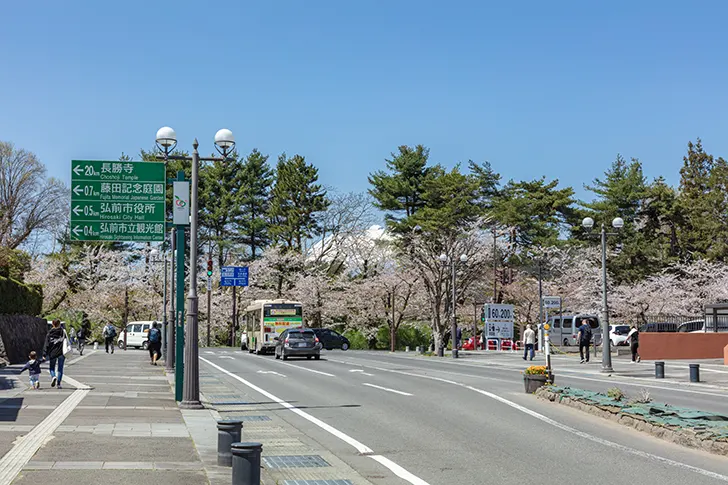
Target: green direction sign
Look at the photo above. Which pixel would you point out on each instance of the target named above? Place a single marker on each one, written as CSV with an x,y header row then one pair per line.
x,y
117,201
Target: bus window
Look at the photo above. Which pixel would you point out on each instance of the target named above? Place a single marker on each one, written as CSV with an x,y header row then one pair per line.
x,y
568,324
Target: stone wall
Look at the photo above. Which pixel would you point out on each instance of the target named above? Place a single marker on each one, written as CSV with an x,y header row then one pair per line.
x,y
19,334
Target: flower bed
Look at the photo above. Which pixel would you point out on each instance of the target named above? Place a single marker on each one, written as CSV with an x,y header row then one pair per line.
x,y
687,427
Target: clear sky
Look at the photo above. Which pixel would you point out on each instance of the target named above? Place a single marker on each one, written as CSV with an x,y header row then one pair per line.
x,y
537,88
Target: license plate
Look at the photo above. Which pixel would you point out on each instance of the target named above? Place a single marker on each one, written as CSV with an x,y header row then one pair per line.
x,y
302,344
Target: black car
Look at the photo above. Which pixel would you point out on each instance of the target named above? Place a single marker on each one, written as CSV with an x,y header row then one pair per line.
x,y
298,342
331,340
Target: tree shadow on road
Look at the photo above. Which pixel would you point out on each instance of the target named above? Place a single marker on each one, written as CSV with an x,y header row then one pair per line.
x,y
10,407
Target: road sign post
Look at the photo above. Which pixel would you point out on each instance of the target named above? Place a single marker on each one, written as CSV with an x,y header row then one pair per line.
x,y
234,276
180,320
117,201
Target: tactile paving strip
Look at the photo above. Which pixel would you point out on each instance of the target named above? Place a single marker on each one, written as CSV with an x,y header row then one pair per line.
x,y
294,461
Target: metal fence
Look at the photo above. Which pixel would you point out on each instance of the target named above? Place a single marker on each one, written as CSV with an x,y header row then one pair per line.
x,y
669,323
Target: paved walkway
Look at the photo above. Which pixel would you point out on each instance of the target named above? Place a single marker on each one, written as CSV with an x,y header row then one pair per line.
x,y
114,422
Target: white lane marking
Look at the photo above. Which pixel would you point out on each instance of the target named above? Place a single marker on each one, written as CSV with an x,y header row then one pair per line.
x,y
398,470
14,460
569,429
361,448
209,352
306,369
81,357
386,389
270,372
227,357
713,370
362,372
636,381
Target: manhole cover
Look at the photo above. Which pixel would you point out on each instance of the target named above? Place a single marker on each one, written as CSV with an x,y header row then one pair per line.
x,y
294,461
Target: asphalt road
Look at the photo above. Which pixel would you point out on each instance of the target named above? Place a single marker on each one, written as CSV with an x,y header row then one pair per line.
x,y
405,419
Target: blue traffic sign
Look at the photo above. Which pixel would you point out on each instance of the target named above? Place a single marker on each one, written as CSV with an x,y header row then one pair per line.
x,y
234,276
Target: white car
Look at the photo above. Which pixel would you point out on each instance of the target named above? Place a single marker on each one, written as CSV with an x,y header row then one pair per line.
x,y
137,335
618,334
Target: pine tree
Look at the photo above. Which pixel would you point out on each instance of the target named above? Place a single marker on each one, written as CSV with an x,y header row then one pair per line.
x,y
399,190
296,197
257,179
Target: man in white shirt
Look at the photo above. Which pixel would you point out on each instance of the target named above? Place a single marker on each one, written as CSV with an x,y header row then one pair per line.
x,y
529,341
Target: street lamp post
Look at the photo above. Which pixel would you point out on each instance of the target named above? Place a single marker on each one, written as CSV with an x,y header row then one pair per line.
x,y
617,223
453,324
224,143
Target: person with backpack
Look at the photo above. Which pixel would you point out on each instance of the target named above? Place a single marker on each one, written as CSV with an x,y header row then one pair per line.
x,y
634,344
53,351
585,337
155,343
81,336
109,335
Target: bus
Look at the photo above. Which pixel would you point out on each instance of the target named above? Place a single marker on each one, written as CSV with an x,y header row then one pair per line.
x,y
264,320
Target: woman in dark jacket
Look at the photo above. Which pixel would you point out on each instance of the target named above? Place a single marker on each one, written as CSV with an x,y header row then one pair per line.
x,y
53,351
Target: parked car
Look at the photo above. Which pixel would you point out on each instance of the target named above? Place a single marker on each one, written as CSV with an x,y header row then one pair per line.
x,y
298,342
137,335
659,327
618,334
331,340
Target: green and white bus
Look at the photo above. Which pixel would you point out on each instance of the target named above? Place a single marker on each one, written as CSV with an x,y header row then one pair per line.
x,y
264,320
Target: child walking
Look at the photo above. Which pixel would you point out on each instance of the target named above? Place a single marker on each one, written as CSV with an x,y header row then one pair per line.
x,y
33,368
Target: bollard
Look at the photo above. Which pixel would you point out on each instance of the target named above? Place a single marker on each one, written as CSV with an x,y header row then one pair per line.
x,y
406,349
694,372
659,370
96,346
246,463
229,431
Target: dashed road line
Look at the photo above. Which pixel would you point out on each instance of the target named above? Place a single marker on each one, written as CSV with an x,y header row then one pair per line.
x,y
387,389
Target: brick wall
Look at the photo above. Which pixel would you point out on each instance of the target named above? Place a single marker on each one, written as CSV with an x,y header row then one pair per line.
x,y
657,346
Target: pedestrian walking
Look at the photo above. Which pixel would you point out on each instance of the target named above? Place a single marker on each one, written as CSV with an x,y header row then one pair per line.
x,y
33,368
109,335
72,335
155,343
633,337
81,337
585,337
529,342
459,337
53,352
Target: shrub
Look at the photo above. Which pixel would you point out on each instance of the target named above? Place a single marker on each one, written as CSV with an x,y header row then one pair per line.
x,y
20,299
357,341
616,393
643,397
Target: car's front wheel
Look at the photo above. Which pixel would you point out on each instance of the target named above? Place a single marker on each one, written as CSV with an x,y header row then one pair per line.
x,y
566,342
121,344
344,346
145,345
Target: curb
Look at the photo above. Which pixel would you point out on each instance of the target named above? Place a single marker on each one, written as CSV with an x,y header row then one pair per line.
x,y
680,436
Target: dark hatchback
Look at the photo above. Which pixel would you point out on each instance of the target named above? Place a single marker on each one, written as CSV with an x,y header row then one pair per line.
x,y
331,340
297,342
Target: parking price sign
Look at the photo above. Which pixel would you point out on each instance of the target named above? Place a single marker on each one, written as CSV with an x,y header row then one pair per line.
x,y
117,201
234,276
498,321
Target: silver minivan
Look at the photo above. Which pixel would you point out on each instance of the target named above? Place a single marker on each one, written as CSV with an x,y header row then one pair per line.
x,y
565,328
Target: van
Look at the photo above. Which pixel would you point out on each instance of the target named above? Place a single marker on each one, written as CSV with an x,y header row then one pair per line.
x,y
137,334
565,328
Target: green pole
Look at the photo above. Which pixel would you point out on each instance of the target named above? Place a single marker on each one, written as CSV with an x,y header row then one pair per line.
x,y
180,320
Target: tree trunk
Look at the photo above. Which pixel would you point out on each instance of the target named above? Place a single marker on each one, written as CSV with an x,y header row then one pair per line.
x,y
392,338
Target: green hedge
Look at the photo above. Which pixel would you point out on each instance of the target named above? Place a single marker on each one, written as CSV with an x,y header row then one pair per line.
x,y
19,299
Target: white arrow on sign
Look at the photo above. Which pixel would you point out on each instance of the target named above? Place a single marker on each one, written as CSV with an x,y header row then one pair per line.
x,y
77,210
77,170
77,190
270,372
76,230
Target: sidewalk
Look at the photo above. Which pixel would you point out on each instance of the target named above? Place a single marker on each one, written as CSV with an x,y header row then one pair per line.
x,y
114,422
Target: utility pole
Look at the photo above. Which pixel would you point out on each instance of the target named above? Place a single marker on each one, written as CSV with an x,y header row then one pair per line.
x,y
495,267
209,289
126,312
234,318
540,294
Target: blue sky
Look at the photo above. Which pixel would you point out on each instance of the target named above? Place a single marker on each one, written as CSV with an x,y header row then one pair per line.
x,y
537,88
